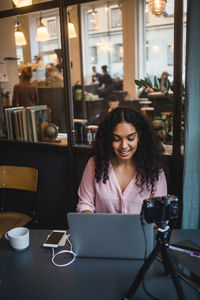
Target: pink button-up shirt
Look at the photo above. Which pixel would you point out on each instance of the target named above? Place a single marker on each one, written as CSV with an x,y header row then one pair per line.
x,y
108,198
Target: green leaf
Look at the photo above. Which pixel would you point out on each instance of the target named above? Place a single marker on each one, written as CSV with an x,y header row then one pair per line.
x,y
144,83
166,84
148,81
137,82
156,83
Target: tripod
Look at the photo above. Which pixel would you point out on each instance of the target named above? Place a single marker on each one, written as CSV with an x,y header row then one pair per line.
x,y
162,246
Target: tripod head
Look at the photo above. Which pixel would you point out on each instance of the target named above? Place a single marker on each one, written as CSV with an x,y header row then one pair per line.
x,y
160,210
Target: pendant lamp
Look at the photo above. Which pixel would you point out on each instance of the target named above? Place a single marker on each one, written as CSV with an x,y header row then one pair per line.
x,y
42,34
71,29
20,3
19,37
157,6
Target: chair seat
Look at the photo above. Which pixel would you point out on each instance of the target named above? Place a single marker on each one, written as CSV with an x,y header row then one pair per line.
x,y
9,220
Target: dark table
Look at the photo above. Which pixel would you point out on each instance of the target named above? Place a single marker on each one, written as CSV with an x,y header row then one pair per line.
x,y
31,275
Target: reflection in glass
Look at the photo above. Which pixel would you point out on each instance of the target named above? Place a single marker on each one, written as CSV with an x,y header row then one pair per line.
x,y
45,60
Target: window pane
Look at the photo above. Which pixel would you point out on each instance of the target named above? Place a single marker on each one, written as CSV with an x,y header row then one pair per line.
x,y
116,17
160,34
45,60
159,63
102,45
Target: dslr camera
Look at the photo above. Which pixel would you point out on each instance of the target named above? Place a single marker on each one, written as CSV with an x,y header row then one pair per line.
x,y
160,209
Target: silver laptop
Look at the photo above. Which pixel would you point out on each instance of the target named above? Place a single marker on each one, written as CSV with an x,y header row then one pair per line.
x,y
109,235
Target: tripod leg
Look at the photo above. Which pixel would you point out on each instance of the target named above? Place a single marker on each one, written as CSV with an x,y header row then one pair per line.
x,y
165,261
141,273
171,268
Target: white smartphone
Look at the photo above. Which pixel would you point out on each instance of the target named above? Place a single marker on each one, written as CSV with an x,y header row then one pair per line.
x,y
54,238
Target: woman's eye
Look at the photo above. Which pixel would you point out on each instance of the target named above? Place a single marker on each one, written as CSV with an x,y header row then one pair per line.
x,y
115,139
131,139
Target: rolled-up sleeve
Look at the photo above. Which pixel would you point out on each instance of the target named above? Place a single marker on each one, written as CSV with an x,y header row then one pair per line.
x,y
86,191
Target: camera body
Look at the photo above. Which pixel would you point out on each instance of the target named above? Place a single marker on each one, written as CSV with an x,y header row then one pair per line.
x,y
159,209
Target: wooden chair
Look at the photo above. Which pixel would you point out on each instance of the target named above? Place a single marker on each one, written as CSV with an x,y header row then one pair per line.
x,y
20,178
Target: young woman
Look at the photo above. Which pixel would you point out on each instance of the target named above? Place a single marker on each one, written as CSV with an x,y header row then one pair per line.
x,y
126,167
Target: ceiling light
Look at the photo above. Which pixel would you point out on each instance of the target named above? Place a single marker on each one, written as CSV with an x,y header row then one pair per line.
x,y
42,34
20,3
157,6
93,11
19,37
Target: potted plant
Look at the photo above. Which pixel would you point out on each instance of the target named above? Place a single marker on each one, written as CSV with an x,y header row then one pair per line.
x,y
164,121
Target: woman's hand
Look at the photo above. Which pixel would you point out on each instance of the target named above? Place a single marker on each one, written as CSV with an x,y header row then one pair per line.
x,y
87,211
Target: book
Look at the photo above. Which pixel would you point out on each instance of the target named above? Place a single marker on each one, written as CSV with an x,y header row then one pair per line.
x,y
37,107
15,125
7,122
20,124
10,121
31,123
41,116
25,126
35,137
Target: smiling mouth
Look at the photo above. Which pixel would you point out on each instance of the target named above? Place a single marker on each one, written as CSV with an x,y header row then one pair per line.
x,y
124,153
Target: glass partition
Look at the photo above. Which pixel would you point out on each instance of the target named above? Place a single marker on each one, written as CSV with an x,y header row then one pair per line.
x,y
160,70
104,41
28,117
138,57
96,65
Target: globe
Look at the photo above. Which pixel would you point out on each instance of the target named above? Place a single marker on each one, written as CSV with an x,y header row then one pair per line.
x,y
51,131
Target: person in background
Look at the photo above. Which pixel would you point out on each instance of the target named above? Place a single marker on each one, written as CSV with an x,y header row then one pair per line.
x,y
95,75
25,93
126,167
106,83
112,103
118,83
163,79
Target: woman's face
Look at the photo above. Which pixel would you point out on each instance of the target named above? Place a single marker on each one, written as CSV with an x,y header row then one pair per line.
x,y
125,140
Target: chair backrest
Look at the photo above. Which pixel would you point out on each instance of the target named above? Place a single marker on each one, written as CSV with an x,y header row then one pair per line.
x,y
17,177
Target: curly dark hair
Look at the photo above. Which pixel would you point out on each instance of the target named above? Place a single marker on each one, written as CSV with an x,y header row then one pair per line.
x,y
148,156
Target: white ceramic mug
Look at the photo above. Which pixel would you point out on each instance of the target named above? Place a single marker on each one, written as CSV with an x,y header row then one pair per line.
x,y
18,238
